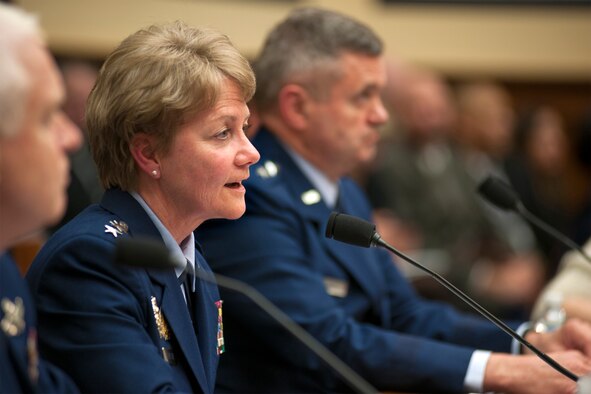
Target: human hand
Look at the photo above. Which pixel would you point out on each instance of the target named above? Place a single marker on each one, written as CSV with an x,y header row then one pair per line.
x,y
529,374
578,306
575,334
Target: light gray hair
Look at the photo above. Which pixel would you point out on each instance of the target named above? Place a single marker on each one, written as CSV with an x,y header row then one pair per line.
x,y
16,28
305,48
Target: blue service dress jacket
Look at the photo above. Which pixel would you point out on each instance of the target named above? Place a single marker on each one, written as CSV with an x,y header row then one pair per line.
x,y
116,328
354,300
21,368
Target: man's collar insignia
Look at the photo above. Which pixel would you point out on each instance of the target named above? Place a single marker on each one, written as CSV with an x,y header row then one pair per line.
x,y
268,170
311,197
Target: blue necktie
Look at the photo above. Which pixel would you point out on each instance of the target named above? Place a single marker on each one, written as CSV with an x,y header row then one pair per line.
x,y
186,280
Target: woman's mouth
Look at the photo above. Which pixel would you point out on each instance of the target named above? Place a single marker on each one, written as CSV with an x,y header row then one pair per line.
x,y
233,185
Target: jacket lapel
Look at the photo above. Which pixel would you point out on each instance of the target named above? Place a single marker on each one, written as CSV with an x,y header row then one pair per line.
x,y
173,304
206,314
361,262
358,262
174,308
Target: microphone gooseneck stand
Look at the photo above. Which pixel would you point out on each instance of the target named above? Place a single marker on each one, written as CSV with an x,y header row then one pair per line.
x,y
356,231
499,193
147,253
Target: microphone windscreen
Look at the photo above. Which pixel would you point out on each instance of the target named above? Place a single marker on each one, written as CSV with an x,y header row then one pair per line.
x,y
144,253
499,193
350,229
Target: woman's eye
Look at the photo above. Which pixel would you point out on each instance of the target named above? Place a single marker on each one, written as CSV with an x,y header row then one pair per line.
x,y
245,128
224,134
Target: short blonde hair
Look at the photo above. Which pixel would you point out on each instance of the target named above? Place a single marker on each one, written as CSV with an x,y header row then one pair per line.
x,y
153,82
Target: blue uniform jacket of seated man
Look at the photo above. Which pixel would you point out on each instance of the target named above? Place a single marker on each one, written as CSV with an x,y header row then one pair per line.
x,y
21,368
354,300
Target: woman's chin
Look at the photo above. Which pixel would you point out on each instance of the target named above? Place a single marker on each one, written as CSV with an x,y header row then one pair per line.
x,y
235,213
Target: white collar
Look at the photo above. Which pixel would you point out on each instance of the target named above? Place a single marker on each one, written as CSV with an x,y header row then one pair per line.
x,y
183,253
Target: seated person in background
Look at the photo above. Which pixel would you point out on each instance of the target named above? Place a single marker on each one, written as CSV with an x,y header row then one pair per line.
x,y
166,123
582,225
540,169
35,136
419,184
484,138
572,284
319,79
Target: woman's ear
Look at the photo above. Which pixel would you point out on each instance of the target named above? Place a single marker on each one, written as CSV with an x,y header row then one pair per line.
x,y
293,104
143,150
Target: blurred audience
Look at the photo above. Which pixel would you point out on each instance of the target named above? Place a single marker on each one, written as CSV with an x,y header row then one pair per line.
x,y
423,189
513,269
416,184
573,279
538,171
582,221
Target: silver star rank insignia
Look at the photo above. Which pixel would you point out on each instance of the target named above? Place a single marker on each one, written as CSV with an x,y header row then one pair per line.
x,y
116,228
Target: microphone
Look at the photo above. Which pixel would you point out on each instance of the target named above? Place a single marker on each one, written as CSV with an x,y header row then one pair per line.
x,y
503,196
351,230
147,253
144,253
356,231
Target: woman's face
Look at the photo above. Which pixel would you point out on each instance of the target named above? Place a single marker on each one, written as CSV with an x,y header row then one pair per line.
x,y
210,156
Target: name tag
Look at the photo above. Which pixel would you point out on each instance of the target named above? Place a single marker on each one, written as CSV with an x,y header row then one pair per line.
x,y
336,287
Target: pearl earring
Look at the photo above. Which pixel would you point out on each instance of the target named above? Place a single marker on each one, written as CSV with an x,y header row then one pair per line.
x,y
154,172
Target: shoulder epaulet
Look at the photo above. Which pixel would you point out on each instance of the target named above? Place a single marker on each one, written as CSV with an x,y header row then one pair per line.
x,y
267,169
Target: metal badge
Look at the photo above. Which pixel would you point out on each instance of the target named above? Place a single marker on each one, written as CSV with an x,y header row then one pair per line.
x,y
13,322
311,197
163,329
116,227
336,287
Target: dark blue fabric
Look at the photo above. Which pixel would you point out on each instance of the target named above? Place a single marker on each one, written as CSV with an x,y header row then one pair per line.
x,y
15,358
382,329
96,319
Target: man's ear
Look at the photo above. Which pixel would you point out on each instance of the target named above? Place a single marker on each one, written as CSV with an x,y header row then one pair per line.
x,y
143,150
294,103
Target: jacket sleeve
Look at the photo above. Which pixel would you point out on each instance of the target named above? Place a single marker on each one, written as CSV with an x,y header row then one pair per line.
x,y
272,251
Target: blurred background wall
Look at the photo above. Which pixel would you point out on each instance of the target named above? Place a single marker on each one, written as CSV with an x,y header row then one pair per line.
x,y
537,50
540,52
509,41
